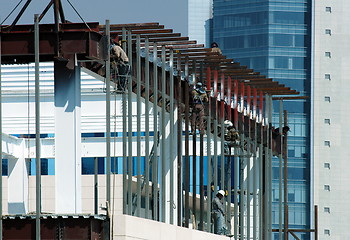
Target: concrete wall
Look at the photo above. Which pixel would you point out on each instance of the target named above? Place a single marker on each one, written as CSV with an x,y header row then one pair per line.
x,y
334,209
129,227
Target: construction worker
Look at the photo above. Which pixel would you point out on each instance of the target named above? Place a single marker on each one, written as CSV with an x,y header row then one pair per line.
x,y
231,136
119,66
199,98
215,48
218,213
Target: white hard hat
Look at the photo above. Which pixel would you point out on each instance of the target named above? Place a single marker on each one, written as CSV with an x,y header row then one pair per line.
x,y
221,192
228,123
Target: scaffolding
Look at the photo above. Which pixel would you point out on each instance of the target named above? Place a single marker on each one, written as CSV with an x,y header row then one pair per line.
x,y
181,172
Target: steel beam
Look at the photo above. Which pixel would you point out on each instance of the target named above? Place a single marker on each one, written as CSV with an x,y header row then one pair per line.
x,y
125,130
37,129
108,119
147,154
138,123
172,136
155,137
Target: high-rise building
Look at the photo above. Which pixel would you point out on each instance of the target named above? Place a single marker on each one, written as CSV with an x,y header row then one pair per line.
x,y
330,116
199,20
273,38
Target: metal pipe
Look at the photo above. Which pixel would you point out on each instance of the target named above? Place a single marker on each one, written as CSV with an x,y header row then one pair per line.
x,y
130,157
37,127
155,137
172,134
125,164
108,118
163,129
147,128
138,123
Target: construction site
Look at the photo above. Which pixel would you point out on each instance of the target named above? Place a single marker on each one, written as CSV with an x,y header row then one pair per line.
x,y
133,154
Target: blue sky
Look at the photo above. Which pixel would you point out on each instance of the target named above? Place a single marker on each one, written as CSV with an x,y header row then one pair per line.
x,y
171,13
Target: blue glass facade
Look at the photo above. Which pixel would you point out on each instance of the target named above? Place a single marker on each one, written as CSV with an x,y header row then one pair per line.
x,y
273,38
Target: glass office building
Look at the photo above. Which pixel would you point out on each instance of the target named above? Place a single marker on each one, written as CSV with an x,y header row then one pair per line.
x,y
273,38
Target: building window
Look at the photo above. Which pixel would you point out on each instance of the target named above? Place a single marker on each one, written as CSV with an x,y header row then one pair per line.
x,y
327,54
327,187
5,167
327,232
47,166
327,121
328,9
327,143
327,98
327,165
328,31
327,76
327,210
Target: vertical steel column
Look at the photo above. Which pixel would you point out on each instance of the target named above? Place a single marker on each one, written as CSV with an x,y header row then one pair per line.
x,y
37,128
260,185
194,153
209,165
163,129
229,158
222,139
266,177
1,187
201,167
222,142
216,132
179,141
155,135
255,179
125,160
236,165
260,165
96,185
266,171
172,134
248,165
280,233
270,168
187,161
108,118
130,157
242,168
138,123
255,164
285,174
147,128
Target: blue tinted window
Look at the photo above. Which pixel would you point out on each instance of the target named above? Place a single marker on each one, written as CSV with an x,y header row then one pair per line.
x,y
282,40
4,167
288,17
47,166
88,165
281,62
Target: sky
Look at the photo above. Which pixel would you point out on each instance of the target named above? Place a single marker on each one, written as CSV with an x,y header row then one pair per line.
x,y
170,13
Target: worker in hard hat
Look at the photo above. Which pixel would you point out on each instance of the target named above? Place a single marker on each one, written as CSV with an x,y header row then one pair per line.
x,y
120,65
218,211
200,97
